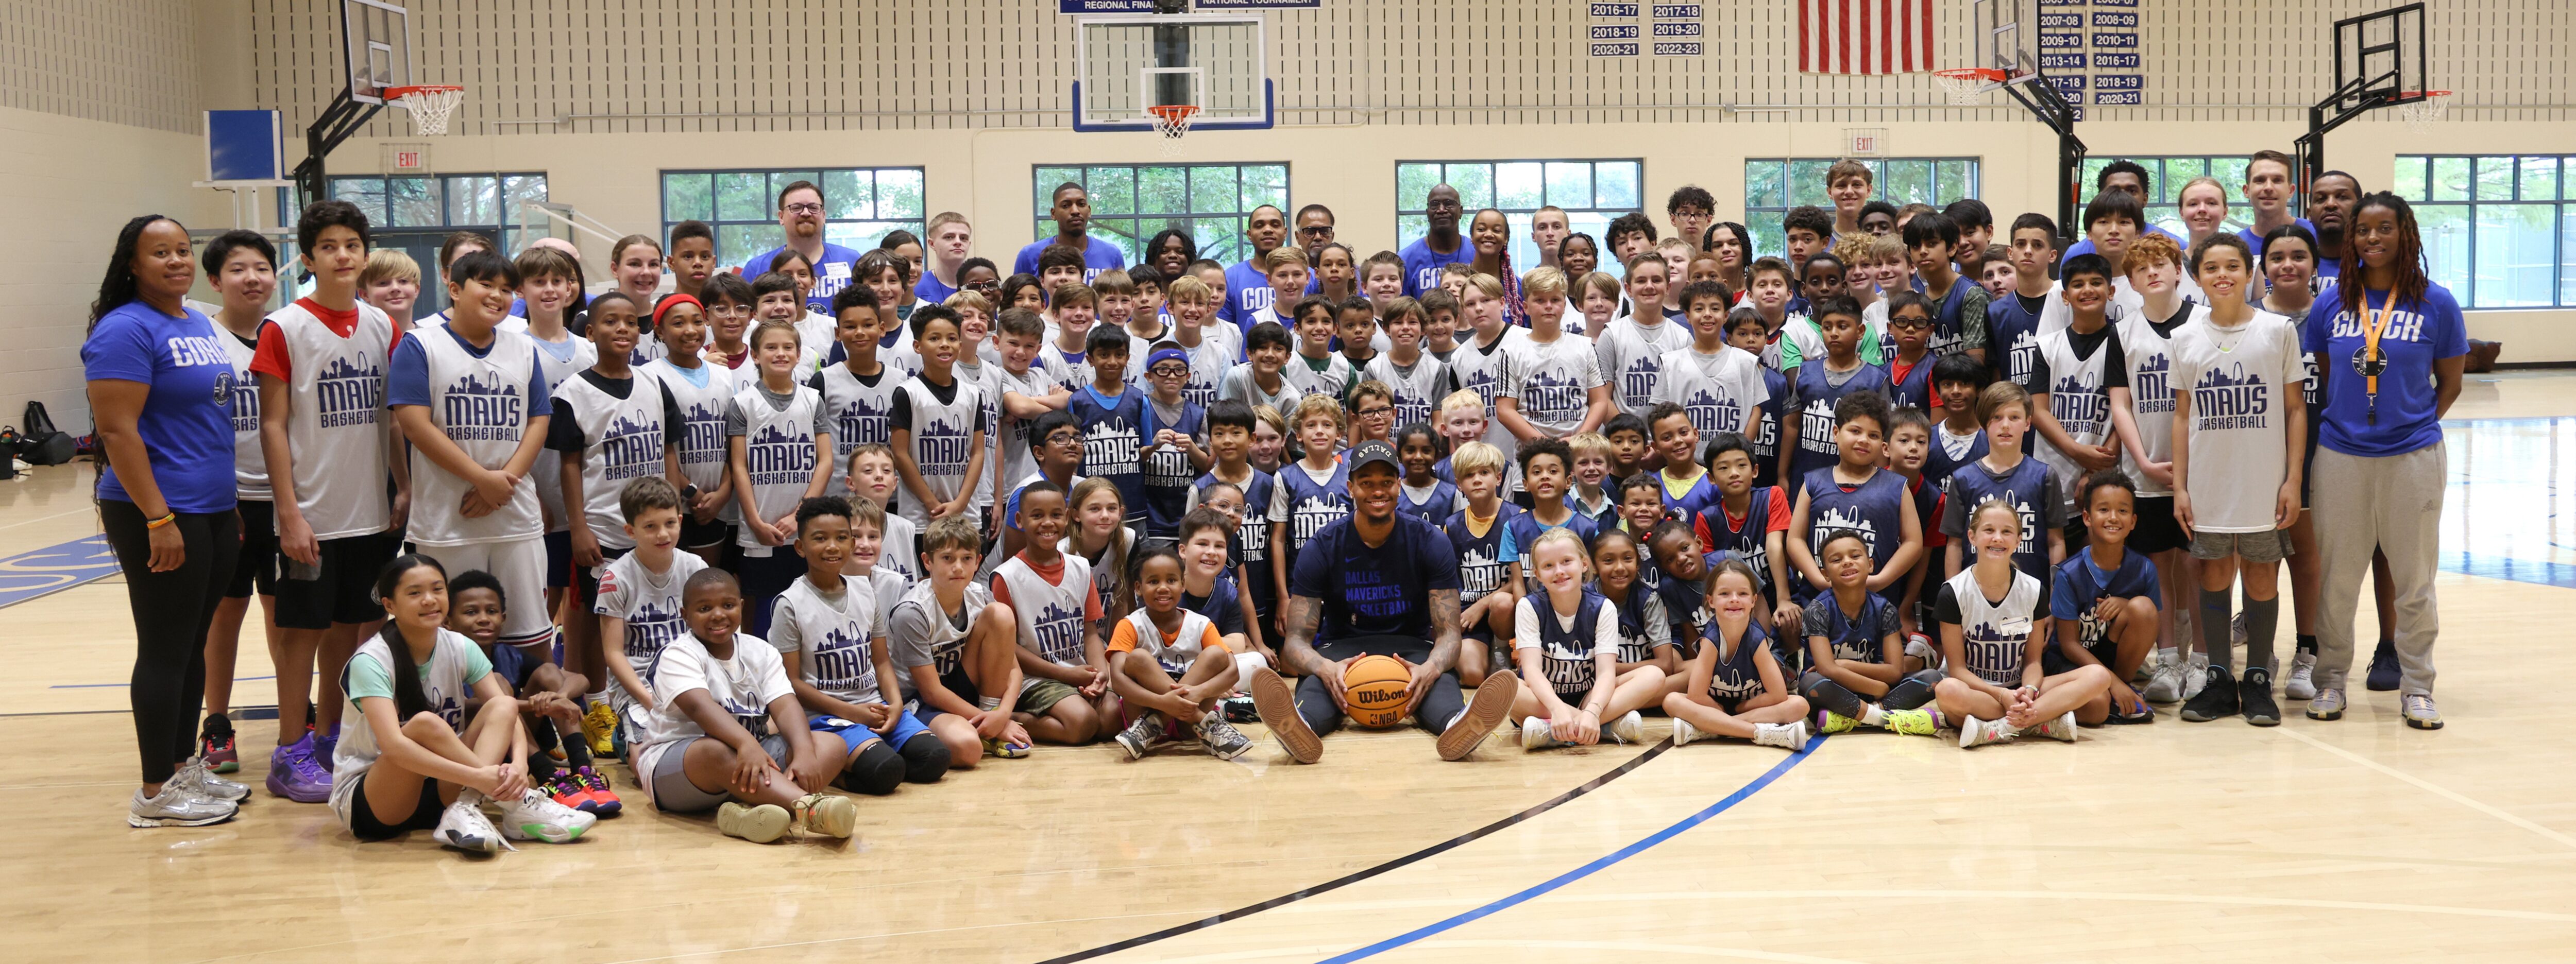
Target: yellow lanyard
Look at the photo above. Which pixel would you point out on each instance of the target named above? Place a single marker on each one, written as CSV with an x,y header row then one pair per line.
x,y
2372,326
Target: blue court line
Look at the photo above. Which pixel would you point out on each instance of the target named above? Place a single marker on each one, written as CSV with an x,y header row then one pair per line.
x,y
1587,870
43,572
2532,571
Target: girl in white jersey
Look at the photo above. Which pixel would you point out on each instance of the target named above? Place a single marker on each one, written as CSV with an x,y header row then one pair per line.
x,y
1993,627
703,393
410,759
782,455
242,266
1170,666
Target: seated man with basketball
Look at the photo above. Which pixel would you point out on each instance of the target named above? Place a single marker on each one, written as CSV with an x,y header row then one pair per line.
x,y
1379,584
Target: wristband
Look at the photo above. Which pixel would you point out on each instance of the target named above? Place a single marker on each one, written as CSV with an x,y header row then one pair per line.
x,y
165,519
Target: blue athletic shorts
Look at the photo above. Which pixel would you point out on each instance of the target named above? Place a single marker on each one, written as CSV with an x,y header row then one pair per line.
x,y
853,734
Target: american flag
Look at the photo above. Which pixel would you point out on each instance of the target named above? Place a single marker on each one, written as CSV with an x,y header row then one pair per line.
x,y
1864,36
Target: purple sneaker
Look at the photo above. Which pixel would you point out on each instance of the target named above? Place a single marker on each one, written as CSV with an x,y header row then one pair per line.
x,y
293,774
325,748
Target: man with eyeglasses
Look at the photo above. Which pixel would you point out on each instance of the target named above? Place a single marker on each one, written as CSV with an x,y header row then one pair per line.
x,y
800,215
1247,285
946,242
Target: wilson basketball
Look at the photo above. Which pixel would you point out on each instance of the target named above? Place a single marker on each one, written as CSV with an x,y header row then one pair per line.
x,y
1375,688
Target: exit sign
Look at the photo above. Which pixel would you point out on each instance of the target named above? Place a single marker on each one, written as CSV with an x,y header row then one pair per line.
x,y
409,158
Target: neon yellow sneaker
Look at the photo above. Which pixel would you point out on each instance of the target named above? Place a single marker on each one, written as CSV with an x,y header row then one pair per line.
x,y
599,726
1007,750
1908,722
1828,721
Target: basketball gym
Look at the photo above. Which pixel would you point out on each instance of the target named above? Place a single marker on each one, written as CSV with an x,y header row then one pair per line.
x,y
2358,839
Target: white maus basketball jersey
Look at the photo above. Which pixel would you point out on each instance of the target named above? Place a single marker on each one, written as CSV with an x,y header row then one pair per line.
x,y
1050,614
778,455
1632,359
482,405
833,639
250,462
2150,357
2079,400
442,684
549,469
1174,653
649,603
623,441
1723,392
337,428
943,440
1995,636
703,447
858,413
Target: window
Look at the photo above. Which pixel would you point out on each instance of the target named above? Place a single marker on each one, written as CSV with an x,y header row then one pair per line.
x,y
2499,231
2165,178
1130,203
1591,192
448,202
1774,185
860,206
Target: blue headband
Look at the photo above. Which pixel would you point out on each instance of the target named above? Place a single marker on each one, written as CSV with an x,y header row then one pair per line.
x,y
1167,354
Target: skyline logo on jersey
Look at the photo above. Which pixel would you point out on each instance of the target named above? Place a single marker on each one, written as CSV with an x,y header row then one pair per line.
x,y
1994,657
702,437
774,457
842,662
1637,381
1833,517
1057,631
1252,538
942,448
629,449
1816,428
1551,398
1109,449
2023,354
1569,662
861,423
1311,514
2234,399
349,395
2083,410
474,410
2149,385
650,627
1478,571
244,398
1713,409
1167,467
1732,682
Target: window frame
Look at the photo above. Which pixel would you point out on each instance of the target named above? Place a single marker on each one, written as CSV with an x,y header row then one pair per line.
x,y
504,230
2419,187
731,231
1769,240
2167,186
1044,178
1524,253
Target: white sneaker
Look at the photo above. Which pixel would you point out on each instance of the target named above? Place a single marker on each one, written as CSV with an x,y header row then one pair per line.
x,y
2302,684
2061,728
203,782
2195,676
2165,686
1628,729
1787,736
177,806
1974,733
1683,732
1535,734
465,828
535,816
1920,647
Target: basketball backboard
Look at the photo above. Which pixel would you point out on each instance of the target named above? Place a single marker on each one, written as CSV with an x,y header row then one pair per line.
x,y
2379,58
2006,36
1128,64
375,38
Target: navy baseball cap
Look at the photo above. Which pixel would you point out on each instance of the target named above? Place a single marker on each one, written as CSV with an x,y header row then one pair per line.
x,y
1371,452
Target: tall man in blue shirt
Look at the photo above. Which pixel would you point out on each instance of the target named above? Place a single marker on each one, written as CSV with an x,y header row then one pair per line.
x,y
1070,208
1424,258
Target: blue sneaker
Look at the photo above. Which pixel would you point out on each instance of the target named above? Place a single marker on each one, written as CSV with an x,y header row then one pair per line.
x,y
293,774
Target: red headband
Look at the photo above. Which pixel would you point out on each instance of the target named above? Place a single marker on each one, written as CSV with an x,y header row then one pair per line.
x,y
664,308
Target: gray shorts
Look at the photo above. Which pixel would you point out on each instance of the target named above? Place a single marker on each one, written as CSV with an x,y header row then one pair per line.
x,y
674,792
2266,546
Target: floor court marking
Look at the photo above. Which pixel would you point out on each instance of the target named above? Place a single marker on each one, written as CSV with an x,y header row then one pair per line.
x,y
1951,894
52,569
1597,865
2433,788
1453,843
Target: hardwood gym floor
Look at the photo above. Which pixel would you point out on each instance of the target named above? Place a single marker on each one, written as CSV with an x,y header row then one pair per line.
x,y
2356,840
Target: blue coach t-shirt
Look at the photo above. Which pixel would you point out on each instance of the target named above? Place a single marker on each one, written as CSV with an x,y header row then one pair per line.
x,y
1381,591
2254,239
832,275
1247,291
1097,256
1422,265
2418,334
187,419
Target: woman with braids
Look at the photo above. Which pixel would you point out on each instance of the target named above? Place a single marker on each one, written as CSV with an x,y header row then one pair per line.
x,y
161,390
1489,236
2389,346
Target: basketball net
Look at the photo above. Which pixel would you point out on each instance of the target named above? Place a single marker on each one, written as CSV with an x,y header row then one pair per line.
x,y
2420,115
430,105
1173,122
1966,86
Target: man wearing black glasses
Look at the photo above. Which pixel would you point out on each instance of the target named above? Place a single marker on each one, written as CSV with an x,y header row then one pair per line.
x,y
800,216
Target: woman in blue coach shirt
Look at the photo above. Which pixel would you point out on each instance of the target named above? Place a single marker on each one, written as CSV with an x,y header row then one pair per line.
x,y
2389,344
160,391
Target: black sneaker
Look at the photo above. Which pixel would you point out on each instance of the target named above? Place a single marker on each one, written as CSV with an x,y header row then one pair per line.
x,y
2215,700
2255,694
1239,709
2383,668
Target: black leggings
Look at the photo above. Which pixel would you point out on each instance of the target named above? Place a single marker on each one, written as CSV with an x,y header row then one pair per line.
x,y
171,613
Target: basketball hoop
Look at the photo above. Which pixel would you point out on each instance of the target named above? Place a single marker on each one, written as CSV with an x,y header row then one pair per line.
x,y
1173,122
2426,110
1967,85
430,104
